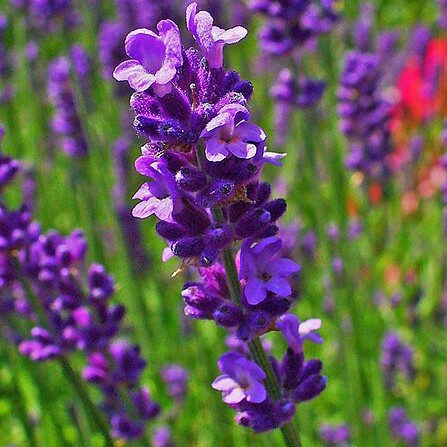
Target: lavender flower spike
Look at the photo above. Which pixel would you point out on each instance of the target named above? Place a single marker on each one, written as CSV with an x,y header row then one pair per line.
x,y
295,332
229,132
155,59
242,379
211,39
204,158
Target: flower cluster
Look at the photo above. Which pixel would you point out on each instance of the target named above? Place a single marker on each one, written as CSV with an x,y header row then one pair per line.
x,y
293,24
289,93
421,83
335,436
421,86
402,428
162,437
365,114
210,120
176,379
203,159
44,15
242,381
116,370
66,121
43,282
291,29
138,13
397,357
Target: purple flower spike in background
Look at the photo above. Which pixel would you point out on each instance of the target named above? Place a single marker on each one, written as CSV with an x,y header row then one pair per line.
x,y
396,358
211,39
262,273
155,58
241,379
229,132
176,379
162,437
295,332
402,428
66,122
335,435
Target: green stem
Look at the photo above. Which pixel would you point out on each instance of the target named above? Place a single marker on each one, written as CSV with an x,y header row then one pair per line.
x,y
78,386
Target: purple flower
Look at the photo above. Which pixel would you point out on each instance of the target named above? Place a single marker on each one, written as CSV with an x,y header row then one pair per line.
x,y
295,332
66,121
156,197
211,39
262,273
402,428
335,436
162,437
176,379
155,59
293,25
396,357
365,114
229,132
241,379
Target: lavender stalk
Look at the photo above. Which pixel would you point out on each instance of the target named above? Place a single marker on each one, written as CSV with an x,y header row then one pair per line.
x,y
205,157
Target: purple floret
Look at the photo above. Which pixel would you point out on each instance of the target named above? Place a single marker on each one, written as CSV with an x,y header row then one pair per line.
x,y
241,379
154,58
262,273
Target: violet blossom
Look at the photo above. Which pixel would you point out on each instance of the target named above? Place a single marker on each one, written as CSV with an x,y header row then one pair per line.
x,y
211,39
154,58
241,379
262,273
229,132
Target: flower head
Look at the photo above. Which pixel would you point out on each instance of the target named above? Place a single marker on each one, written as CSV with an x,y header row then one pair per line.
x,y
229,132
262,273
154,58
241,379
211,39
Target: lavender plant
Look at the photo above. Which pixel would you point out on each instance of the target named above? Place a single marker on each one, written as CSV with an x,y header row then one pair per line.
x,y
66,122
365,114
397,357
52,305
205,158
293,24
